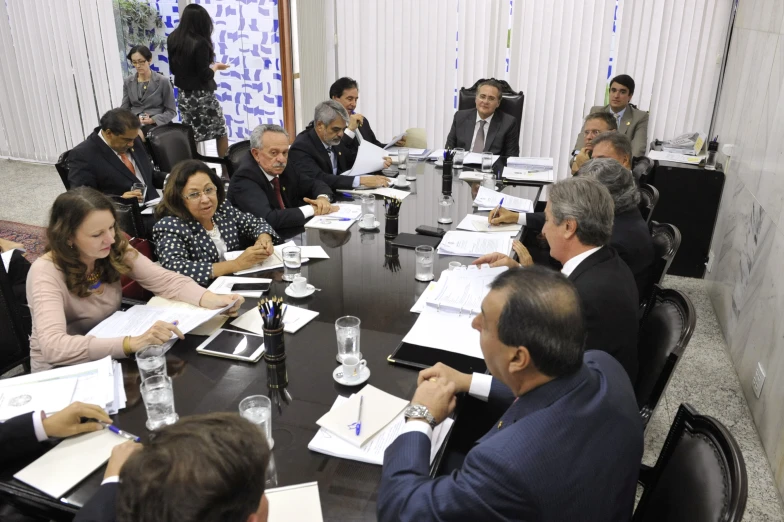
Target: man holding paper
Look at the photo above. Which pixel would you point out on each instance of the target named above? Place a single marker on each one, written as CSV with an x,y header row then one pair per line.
x,y
569,439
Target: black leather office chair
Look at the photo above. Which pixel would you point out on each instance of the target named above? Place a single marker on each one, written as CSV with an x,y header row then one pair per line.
x,y
663,337
642,166
649,196
15,345
666,241
62,169
511,102
174,142
700,475
129,216
236,152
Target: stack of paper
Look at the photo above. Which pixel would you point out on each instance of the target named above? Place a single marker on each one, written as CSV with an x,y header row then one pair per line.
x,y
272,262
298,502
529,169
385,192
373,451
477,223
340,220
487,199
97,382
690,144
675,157
472,244
414,153
295,319
471,158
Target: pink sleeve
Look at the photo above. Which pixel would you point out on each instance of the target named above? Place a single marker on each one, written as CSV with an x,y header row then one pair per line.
x,y
162,282
46,293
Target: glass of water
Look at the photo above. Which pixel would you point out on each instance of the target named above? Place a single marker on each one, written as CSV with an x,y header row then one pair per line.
x,y
458,159
425,255
487,162
411,165
368,204
347,331
292,263
258,410
141,187
488,181
158,396
402,158
151,361
445,202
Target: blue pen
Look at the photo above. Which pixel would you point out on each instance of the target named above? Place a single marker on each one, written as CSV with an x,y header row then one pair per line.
x,y
118,431
359,417
347,194
499,208
335,219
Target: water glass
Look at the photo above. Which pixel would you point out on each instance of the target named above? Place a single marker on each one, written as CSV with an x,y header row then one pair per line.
x,y
445,202
411,169
425,255
402,158
487,162
151,361
141,187
292,263
347,331
158,397
368,204
488,181
459,157
258,410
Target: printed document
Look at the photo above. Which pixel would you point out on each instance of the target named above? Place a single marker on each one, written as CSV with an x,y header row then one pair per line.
x,y
341,220
370,158
487,199
295,319
477,223
473,244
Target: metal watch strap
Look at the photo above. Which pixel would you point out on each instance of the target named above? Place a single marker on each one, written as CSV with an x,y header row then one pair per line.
x,y
418,411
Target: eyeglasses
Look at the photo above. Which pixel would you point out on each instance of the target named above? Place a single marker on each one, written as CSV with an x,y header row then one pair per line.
x,y
138,62
593,132
193,196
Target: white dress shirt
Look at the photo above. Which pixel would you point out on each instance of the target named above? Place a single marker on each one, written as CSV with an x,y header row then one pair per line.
x,y
128,154
618,115
521,218
574,262
306,210
476,129
334,159
38,426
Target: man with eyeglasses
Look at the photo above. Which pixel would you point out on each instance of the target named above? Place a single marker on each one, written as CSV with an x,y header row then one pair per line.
x,y
485,129
595,124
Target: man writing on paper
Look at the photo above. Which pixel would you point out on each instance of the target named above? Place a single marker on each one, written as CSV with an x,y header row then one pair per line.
x,y
265,187
568,441
318,152
346,92
595,123
578,227
485,129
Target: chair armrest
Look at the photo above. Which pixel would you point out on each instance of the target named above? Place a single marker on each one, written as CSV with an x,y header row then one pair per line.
x,y
158,178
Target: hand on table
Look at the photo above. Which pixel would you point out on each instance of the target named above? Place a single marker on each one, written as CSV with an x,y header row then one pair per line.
x,y
252,256
462,381
159,333
213,301
68,421
134,194
522,253
496,259
120,454
438,396
265,241
374,181
500,215
321,206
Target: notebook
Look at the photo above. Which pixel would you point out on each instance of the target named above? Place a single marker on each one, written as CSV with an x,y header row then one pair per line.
x,y
298,502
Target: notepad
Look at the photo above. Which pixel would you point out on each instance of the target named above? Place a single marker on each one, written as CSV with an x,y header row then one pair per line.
x,y
70,462
473,244
477,223
298,502
295,319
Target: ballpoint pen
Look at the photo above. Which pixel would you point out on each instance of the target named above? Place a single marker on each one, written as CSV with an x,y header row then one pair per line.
x,y
499,208
359,417
118,431
335,219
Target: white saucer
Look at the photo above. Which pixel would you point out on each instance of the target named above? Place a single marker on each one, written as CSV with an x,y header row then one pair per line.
x,y
401,182
292,293
337,357
375,226
364,375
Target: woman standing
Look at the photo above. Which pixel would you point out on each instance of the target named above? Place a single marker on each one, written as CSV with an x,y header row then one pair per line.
x,y
146,93
192,62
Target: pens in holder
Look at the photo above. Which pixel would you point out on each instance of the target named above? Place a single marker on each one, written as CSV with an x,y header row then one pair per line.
x,y
494,213
272,311
118,431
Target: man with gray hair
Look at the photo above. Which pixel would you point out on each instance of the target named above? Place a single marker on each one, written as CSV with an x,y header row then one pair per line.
x,y
613,145
266,187
318,151
578,227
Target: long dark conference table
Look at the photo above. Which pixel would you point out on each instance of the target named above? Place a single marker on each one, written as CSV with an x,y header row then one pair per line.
x,y
358,279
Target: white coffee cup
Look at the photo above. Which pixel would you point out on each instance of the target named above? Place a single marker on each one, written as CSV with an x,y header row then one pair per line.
x,y
352,368
300,284
368,221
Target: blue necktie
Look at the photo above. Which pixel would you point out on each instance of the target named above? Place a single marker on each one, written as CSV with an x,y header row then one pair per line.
x,y
333,159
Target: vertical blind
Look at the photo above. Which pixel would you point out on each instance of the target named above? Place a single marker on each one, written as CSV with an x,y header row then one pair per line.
x,y
673,50
60,73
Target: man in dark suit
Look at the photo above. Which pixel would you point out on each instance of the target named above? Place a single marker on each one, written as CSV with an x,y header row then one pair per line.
x,y
485,129
265,187
568,440
346,92
318,151
596,123
112,159
578,227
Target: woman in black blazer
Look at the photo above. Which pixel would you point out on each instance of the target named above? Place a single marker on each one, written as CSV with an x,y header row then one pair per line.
x,y
146,93
192,62
197,226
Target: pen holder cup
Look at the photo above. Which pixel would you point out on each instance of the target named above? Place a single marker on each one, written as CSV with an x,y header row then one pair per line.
x,y
277,376
274,347
390,227
447,170
446,185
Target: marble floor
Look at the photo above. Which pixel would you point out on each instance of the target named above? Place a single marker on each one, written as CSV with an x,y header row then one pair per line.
x,y
705,377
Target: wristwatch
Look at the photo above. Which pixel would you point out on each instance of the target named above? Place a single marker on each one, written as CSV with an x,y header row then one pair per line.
x,y
417,411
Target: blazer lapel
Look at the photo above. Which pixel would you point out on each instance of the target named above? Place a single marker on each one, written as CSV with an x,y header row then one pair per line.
x,y
326,163
626,121
495,123
467,130
594,259
114,160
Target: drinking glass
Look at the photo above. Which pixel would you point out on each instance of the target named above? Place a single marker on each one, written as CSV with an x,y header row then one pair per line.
x,y
258,410
488,181
411,169
402,158
158,397
425,256
141,187
292,262
487,162
151,361
459,157
445,203
368,204
347,331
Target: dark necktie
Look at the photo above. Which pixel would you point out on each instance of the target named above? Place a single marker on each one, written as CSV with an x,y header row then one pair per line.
x,y
276,185
479,142
333,160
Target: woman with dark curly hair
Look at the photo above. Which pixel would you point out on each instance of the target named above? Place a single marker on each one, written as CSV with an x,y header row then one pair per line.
x,y
76,285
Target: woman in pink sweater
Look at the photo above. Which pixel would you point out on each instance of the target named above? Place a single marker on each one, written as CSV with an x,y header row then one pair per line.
x,y
76,285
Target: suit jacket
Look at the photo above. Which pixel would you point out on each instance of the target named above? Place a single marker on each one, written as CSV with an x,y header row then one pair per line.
x,y
367,135
157,101
501,138
308,156
250,191
102,507
184,246
608,295
94,164
567,450
17,437
634,125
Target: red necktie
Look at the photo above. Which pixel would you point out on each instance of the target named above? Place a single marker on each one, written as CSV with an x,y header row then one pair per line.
x,y
276,185
127,162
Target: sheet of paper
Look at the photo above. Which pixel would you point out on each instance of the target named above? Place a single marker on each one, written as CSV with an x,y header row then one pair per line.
x,y
530,163
206,328
138,319
347,214
475,158
411,152
294,320
372,452
463,290
48,396
299,502
386,192
68,463
487,199
420,304
370,158
272,262
223,284
314,252
445,331
471,175
473,244
522,174
477,223
379,408
152,202
676,158
395,140
148,211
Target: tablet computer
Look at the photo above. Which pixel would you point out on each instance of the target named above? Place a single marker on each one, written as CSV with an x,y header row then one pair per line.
x,y
240,346
421,357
